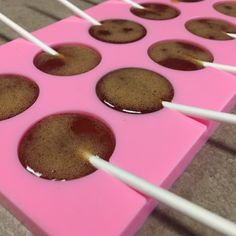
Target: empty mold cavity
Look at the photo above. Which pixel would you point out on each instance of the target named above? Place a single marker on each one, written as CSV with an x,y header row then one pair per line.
x,y
74,59
211,28
179,55
17,93
118,31
156,11
226,8
134,90
56,147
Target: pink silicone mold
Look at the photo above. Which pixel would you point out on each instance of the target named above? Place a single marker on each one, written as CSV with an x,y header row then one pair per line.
x,y
156,146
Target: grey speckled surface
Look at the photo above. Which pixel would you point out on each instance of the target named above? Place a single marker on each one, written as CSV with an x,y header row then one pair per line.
x,y
210,180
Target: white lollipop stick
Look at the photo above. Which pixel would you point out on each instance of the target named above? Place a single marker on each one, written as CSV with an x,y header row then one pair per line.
x,y
227,68
231,35
25,34
134,4
196,212
201,113
79,12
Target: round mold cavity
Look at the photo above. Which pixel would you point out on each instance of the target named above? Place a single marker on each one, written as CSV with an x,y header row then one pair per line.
x,y
179,55
17,94
214,29
134,90
56,147
118,31
227,8
156,11
74,59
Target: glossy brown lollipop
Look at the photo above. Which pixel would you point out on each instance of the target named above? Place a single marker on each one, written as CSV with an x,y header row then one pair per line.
x,y
227,8
55,147
17,93
118,31
74,59
134,90
211,28
179,55
156,11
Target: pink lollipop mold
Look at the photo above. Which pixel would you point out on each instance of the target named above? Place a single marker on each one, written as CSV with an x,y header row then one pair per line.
x,y
157,146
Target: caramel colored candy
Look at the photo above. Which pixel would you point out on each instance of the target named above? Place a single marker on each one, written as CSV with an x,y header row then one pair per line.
x,y
211,28
179,55
118,31
56,147
134,90
74,60
156,11
226,8
17,93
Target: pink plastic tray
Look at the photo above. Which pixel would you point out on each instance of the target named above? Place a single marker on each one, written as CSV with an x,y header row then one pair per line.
x,y
156,146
